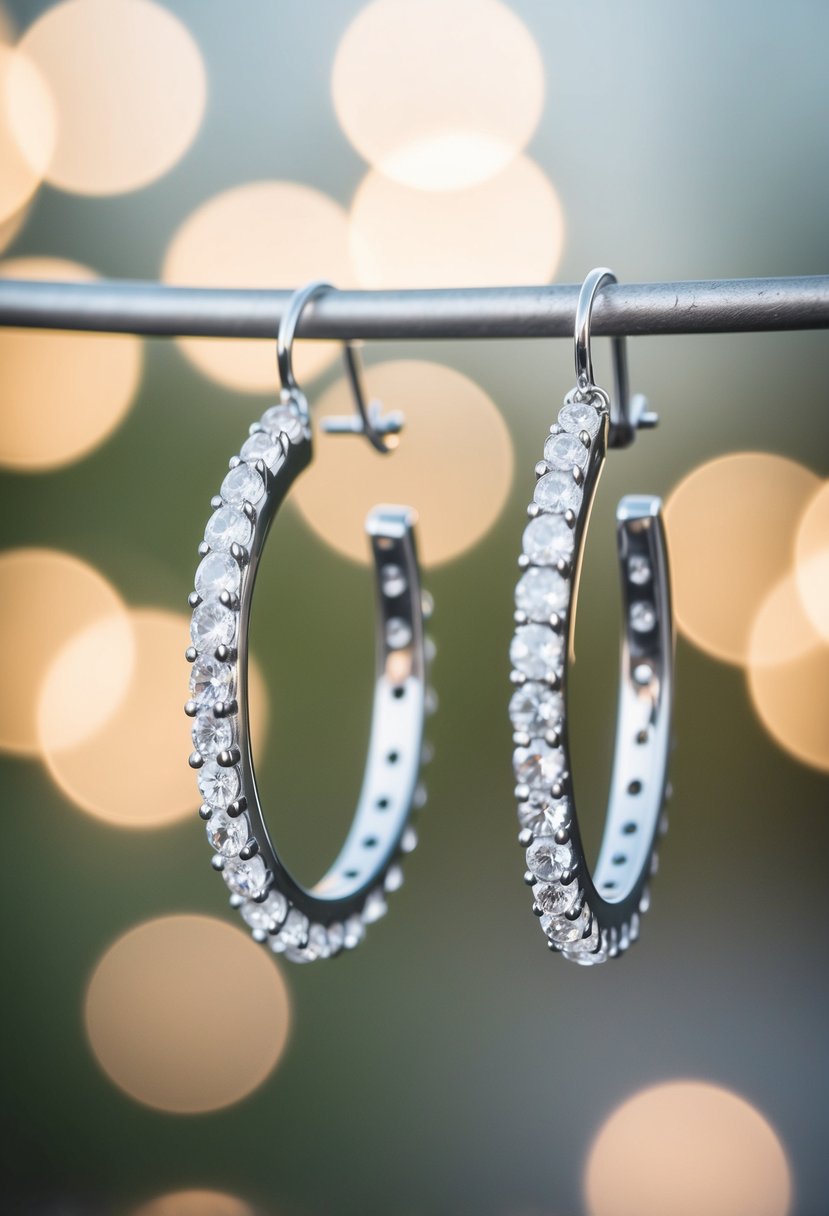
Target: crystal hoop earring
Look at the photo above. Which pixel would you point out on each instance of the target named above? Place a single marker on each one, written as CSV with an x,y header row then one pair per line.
x,y
590,918
304,924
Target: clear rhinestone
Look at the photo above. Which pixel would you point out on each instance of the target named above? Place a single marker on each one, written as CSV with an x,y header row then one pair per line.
x,y
243,484
579,416
548,539
285,418
266,915
565,451
355,931
212,625
543,814
541,592
375,907
537,765
211,735
315,948
228,836
261,446
295,930
548,860
586,950
217,572
210,681
639,570
563,931
557,492
642,616
535,708
536,650
227,527
246,878
336,938
554,898
218,786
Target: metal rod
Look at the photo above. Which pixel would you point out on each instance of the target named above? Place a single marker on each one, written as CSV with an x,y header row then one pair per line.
x,y
727,306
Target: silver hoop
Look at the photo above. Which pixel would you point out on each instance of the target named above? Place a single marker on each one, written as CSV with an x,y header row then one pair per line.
x,y
589,918
304,924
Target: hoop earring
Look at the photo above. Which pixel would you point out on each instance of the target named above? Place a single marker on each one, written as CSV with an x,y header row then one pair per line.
x,y
590,918
304,924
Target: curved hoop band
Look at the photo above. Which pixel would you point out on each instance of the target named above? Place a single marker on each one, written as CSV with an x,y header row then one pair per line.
x,y
304,924
589,918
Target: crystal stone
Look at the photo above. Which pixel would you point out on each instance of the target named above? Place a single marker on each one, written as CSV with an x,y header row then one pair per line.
x,y
554,898
537,765
541,592
355,931
579,416
316,947
228,836
642,616
262,446
557,492
246,878
211,735
210,681
548,539
639,569
217,572
295,930
227,527
543,814
536,650
243,484
548,860
218,785
535,708
285,418
375,906
267,914
565,451
563,931
212,625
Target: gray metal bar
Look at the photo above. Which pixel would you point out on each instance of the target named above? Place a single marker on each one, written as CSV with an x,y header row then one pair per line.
x,y
727,306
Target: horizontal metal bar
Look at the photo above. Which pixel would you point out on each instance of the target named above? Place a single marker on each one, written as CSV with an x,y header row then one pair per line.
x,y
727,306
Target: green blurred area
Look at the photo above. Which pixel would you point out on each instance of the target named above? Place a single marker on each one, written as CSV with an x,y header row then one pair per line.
x,y
449,1065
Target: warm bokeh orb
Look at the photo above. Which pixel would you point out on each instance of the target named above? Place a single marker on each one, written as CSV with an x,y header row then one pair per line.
x,y
145,729
195,1203
46,599
187,1014
686,1148
812,556
440,94
28,129
791,696
266,234
457,501
63,394
731,526
129,88
509,229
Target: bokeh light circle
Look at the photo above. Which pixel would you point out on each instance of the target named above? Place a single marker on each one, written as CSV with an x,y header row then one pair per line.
x,y
509,229
186,1013
791,696
129,87
812,557
28,129
440,94
685,1148
47,598
457,501
132,770
63,393
731,527
266,234
195,1203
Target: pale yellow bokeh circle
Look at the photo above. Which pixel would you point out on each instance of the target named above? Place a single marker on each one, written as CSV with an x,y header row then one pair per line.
x,y
458,497
46,598
267,234
812,556
195,1203
186,1013
130,770
440,94
687,1148
791,696
731,527
509,229
63,394
28,129
129,87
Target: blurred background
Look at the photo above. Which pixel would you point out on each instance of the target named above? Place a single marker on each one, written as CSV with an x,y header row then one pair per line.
x,y
158,1063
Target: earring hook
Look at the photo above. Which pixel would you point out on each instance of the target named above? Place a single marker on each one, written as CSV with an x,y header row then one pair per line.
x,y
369,419
627,414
